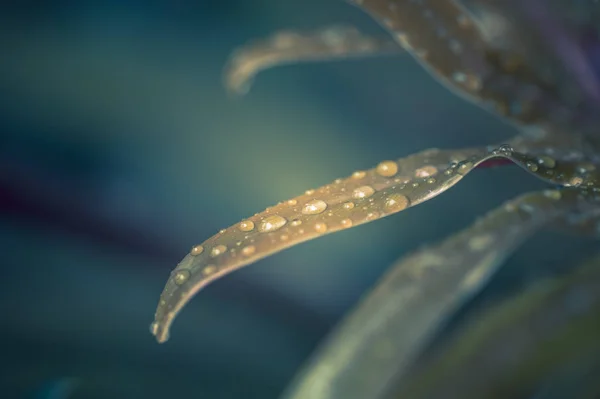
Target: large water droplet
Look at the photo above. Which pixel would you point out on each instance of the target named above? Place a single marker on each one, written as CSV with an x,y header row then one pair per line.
x,y
247,225
271,223
363,192
314,207
387,168
396,203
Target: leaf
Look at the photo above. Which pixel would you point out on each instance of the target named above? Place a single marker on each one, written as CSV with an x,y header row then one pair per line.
x,y
289,47
380,339
451,43
391,187
512,349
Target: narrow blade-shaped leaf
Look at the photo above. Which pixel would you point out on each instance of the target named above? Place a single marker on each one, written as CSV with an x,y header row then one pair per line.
x,y
289,47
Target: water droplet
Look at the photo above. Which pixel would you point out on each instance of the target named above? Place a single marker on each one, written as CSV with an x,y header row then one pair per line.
x,y
218,250
249,250
372,215
197,250
363,192
284,237
154,328
465,167
272,223
396,203
431,180
526,207
531,166
346,223
292,202
314,207
426,171
247,225
359,174
553,194
209,269
321,227
387,168
575,181
480,243
309,192
222,231
547,161
585,168
296,222
181,276
348,205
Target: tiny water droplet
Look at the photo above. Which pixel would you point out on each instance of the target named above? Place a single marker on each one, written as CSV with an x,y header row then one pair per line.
x,y
505,149
547,161
218,250
181,276
465,167
249,250
531,166
359,174
154,328
321,227
346,223
348,205
209,269
197,250
553,194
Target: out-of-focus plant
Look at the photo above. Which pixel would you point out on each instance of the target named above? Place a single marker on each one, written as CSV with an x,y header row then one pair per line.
x,y
534,63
